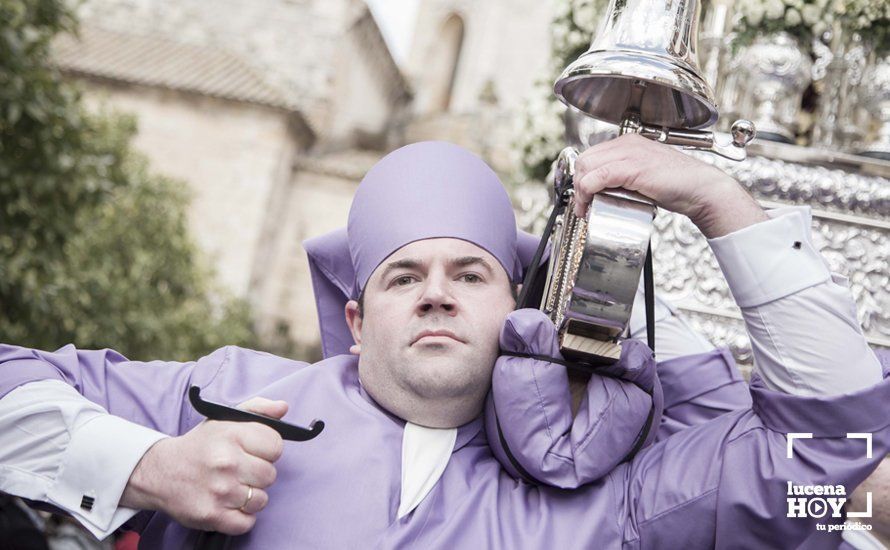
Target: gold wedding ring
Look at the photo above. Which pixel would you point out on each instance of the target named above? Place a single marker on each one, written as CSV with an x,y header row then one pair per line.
x,y
247,500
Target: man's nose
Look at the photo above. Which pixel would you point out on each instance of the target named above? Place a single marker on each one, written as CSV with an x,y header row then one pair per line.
x,y
437,296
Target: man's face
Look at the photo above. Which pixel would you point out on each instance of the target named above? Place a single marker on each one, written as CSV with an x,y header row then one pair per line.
x,y
428,336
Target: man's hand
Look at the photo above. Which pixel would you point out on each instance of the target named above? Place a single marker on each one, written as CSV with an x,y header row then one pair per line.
x,y
714,201
202,479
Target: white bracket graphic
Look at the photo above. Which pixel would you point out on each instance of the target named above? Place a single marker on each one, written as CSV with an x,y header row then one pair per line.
x,y
796,435
867,512
866,437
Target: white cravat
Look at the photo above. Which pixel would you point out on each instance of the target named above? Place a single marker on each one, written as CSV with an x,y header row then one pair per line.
x,y
425,453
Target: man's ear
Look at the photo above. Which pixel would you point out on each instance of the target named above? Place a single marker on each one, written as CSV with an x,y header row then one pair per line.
x,y
354,322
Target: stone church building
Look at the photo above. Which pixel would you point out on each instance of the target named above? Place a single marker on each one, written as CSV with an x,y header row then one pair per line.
x,y
271,111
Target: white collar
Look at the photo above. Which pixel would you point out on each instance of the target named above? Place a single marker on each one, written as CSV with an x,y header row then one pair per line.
x,y
425,454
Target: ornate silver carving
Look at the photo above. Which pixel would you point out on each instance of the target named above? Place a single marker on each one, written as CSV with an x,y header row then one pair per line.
x,y
822,58
833,190
777,71
854,119
838,122
877,101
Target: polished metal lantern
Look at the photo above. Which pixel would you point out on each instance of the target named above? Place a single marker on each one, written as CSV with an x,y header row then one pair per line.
x,y
642,73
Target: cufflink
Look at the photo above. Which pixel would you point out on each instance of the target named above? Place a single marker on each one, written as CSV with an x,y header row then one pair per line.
x,y
87,502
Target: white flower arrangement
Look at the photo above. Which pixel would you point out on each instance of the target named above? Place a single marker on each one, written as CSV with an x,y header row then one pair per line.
x,y
803,19
541,132
806,19
871,19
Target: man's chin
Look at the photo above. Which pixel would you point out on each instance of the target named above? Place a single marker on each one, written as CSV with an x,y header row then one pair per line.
x,y
443,406
448,384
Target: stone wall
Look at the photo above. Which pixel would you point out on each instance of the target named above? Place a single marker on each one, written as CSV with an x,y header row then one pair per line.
x,y
234,157
318,201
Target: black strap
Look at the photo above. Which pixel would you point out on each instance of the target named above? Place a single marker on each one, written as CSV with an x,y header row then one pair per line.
x,y
212,540
531,272
644,433
577,366
649,296
519,469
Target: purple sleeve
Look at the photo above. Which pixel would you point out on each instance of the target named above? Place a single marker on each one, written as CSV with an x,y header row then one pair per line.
x,y
152,394
726,483
529,421
698,388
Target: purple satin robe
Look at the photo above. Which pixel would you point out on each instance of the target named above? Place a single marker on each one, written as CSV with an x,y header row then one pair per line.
x,y
548,445
721,483
554,447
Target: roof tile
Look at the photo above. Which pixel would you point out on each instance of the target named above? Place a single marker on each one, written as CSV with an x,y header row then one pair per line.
x,y
156,61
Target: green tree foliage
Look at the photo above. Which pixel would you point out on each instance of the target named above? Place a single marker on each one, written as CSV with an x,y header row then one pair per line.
x,y
94,248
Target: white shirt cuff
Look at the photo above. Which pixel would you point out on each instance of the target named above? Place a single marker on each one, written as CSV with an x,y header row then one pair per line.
x,y
770,259
96,468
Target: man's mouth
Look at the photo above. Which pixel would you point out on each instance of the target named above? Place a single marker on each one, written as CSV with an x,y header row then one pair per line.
x,y
433,335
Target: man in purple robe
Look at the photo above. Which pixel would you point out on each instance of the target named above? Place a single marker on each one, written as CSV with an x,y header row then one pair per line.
x,y
415,303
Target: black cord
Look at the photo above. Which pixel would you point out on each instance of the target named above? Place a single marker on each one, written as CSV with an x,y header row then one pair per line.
x,y
532,270
212,540
649,295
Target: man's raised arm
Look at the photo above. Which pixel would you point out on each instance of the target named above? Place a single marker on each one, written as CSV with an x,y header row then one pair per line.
x,y
802,323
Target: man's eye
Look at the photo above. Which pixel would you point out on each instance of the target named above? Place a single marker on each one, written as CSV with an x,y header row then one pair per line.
x,y
403,280
471,278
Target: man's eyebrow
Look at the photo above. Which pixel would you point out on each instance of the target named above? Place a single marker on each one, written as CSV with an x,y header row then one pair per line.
x,y
464,261
412,263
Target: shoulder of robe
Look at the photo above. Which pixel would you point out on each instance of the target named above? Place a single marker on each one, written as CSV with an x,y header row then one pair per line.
x,y
245,365
268,364
233,374
259,358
